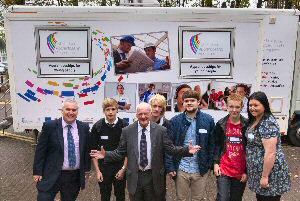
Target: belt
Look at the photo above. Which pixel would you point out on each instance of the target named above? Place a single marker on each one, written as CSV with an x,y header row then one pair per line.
x,y
144,171
70,171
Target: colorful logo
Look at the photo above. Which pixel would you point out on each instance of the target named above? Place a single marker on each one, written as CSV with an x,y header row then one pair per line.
x,y
51,42
195,43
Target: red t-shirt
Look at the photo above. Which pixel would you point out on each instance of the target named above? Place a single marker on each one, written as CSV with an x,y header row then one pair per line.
x,y
233,161
214,97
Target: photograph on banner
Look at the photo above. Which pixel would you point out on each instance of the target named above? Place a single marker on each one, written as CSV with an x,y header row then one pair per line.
x,y
147,90
143,52
219,92
179,88
123,93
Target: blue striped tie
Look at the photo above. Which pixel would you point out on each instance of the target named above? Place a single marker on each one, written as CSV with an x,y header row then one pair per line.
x,y
143,150
71,148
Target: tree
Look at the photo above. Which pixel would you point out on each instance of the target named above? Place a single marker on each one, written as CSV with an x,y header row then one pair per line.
x,y
67,2
43,3
101,2
14,2
2,42
243,4
7,3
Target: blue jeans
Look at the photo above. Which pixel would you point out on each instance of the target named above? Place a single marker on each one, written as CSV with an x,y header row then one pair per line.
x,y
229,189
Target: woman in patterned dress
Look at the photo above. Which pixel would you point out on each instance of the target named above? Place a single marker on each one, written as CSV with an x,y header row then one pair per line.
x,y
266,165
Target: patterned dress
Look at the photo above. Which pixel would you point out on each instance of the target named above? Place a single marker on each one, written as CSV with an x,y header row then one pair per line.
x,y
279,180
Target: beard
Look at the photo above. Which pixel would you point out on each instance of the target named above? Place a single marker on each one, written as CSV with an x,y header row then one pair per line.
x,y
191,111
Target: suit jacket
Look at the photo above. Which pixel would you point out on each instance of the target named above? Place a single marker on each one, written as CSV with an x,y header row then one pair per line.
x,y
49,154
129,146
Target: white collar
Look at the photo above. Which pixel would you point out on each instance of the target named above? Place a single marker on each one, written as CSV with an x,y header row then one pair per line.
x,y
64,124
115,122
120,51
140,127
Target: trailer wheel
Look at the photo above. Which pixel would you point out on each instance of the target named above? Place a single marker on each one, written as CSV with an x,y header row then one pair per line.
x,y
294,135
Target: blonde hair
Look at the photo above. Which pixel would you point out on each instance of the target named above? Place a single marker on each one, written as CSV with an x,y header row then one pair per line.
x,y
161,100
109,102
235,97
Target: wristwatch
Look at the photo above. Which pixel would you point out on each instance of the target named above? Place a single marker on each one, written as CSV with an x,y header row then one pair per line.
x,y
123,167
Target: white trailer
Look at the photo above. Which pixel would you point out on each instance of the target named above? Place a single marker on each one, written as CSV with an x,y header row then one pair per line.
x,y
60,52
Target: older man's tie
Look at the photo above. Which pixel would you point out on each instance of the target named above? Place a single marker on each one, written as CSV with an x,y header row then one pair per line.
x,y
143,150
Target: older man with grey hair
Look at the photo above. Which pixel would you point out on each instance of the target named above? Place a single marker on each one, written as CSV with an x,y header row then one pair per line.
x,y
144,143
62,156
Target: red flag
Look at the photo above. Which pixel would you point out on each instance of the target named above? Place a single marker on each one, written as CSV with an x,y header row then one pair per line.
x,y
120,78
82,95
89,102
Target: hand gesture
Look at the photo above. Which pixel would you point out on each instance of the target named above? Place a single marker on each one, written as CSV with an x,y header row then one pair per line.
x,y
120,174
99,176
244,178
264,182
217,170
37,178
98,154
123,64
193,149
172,174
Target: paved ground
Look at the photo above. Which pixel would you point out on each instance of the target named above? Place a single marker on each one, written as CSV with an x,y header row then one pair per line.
x,y
16,158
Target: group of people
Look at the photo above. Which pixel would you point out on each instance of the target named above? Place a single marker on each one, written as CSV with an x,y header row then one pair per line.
x,y
186,148
212,99
121,55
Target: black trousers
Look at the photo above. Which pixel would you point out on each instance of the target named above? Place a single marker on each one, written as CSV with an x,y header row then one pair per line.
x,y
68,184
109,172
145,190
267,198
229,189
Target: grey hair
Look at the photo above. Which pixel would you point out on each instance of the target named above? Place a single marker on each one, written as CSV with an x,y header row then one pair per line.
x,y
69,100
143,104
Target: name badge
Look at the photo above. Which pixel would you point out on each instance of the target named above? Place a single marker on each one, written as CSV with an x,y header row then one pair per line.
x,y
201,130
235,140
250,136
104,137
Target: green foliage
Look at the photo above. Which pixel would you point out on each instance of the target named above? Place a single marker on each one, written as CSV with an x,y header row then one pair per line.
x,y
244,4
43,3
202,3
7,3
100,2
1,19
67,2
289,4
167,3
2,41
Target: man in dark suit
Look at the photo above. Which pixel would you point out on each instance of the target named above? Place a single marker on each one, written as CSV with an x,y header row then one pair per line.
x,y
121,54
144,144
62,156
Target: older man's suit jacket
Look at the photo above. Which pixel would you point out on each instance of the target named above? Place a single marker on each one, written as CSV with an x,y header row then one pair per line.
x,y
49,154
129,147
